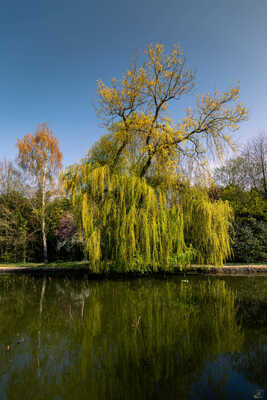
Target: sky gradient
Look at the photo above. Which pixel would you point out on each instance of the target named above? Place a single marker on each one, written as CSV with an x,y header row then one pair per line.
x,y
53,52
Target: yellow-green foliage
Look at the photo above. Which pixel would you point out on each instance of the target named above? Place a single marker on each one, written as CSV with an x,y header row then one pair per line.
x,y
135,110
128,225
125,222
129,208
206,226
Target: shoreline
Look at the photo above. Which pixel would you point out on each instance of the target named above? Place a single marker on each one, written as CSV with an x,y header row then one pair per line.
x,y
249,269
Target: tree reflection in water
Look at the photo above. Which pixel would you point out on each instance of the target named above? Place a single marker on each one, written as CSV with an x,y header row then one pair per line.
x,y
139,339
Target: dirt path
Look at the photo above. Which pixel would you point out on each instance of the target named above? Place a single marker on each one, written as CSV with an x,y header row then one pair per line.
x,y
195,269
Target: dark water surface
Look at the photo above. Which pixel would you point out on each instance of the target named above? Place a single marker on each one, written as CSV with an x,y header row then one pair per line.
x,y
178,338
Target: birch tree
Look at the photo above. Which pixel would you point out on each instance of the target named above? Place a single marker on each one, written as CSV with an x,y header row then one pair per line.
x,y
40,157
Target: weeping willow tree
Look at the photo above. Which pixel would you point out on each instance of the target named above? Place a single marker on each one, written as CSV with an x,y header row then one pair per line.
x,y
128,225
127,192
124,222
206,226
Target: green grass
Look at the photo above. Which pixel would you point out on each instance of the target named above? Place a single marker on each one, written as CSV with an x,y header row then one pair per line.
x,y
58,264
244,264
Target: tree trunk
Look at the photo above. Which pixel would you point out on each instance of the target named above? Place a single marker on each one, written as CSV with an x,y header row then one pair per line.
x,y
44,239
43,221
40,326
263,169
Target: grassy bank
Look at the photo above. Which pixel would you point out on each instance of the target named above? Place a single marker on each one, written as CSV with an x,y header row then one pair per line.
x,y
84,267
61,264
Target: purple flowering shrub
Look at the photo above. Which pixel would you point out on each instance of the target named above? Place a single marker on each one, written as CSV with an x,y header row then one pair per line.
x,y
66,233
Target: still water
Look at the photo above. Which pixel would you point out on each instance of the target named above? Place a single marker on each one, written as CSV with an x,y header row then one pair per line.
x,y
177,338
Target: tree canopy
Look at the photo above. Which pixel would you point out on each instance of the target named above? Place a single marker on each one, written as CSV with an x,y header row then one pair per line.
x,y
133,207
134,109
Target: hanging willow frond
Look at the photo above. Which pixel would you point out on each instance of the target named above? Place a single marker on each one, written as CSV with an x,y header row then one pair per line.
x,y
128,225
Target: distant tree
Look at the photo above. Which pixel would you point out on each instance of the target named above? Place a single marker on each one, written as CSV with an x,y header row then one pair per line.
x,y
248,170
232,173
249,203
247,198
11,179
255,155
40,157
15,212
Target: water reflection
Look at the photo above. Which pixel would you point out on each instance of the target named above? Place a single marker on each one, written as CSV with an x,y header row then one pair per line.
x,y
140,339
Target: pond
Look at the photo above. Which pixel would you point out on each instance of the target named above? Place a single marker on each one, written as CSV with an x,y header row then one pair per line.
x,y
176,338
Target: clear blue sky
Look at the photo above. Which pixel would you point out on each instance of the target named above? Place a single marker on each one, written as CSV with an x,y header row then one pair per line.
x,y
53,52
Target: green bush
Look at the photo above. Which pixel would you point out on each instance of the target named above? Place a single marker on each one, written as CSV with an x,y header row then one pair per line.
x,y
250,240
